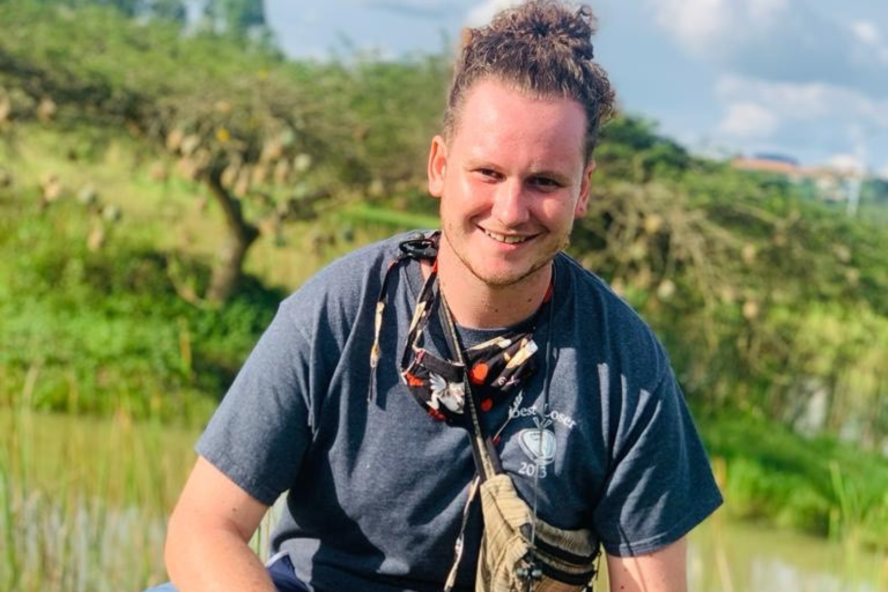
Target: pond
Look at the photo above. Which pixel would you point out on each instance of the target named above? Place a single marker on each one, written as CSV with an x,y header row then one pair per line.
x,y
83,505
741,557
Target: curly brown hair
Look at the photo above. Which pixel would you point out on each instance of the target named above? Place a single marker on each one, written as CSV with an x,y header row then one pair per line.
x,y
542,48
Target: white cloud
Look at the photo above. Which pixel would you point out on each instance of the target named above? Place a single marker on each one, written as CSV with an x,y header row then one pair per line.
x,y
416,8
788,117
778,40
766,11
696,23
848,163
870,36
704,26
748,120
805,102
409,4
866,32
483,13
802,101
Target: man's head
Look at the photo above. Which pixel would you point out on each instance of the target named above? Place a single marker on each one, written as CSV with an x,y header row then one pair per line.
x,y
513,168
542,49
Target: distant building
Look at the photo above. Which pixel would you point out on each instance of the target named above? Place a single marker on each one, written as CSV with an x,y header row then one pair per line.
x,y
767,163
828,183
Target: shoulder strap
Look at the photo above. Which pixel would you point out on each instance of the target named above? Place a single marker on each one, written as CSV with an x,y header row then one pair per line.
x,y
487,460
417,246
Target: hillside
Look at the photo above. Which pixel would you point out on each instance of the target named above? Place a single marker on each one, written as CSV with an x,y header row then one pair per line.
x,y
161,192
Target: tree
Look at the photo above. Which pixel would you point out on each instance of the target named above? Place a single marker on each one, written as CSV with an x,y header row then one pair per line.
x,y
238,18
128,8
631,148
271,140
171,10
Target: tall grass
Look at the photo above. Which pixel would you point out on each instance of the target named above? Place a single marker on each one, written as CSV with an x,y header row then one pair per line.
x,y
816,485
103,331
99,328
83,502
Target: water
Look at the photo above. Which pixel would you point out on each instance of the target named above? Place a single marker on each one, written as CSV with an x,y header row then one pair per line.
x,y
742,557
93,494
83,501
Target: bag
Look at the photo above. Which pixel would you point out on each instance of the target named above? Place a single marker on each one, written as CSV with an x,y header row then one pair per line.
x,y
565,560
519,552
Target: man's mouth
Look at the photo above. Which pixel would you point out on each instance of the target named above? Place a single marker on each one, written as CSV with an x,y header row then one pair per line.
x,y
509,239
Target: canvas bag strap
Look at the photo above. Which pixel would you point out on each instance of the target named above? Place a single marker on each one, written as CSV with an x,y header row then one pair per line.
x,y
487,460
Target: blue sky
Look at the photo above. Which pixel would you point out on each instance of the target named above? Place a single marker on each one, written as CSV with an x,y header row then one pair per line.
x,y
802,78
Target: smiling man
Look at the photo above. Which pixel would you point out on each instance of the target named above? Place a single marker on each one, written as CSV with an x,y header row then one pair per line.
x,y
511,178
467,409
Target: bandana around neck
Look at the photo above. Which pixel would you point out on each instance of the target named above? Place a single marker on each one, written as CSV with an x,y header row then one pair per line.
x,y
492,370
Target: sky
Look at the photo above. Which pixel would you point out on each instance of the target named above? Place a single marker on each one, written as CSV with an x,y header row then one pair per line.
x,y
806,79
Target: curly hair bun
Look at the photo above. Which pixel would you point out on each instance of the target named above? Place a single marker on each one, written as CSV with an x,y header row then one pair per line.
x,y
543,48
544,21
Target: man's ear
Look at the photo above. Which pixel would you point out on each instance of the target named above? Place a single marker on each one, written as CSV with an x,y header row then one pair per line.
x,y
585,190
437,166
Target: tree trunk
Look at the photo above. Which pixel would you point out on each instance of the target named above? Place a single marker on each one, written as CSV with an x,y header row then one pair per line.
x,y
228,267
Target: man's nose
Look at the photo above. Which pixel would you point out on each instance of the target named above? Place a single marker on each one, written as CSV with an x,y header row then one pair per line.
x,y
510,203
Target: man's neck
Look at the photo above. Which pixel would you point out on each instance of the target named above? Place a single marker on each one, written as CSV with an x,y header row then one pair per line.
x,y
475,304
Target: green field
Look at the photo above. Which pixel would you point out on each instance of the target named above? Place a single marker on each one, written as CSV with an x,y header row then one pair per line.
x,y
127,173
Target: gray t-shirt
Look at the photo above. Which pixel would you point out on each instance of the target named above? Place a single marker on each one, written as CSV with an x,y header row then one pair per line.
x,y
376,488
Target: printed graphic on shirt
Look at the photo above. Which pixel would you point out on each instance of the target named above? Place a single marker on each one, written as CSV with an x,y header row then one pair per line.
x,y
539,443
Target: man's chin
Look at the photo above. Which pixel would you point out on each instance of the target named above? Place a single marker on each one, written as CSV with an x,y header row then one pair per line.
x,y
502,279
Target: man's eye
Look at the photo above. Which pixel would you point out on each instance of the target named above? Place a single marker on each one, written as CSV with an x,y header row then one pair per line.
x,y
490,173
545,183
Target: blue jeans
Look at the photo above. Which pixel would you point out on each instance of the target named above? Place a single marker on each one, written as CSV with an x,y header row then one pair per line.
x,y
280,570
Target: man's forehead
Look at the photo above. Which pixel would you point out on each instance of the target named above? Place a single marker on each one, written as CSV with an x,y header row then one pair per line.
x,y
494,86
495,114
499,103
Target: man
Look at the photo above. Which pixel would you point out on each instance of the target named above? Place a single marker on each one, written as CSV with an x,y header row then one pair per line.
x,y
485,321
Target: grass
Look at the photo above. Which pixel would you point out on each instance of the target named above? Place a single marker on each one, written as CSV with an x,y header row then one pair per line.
x,y
83,503
174,215
814,485
103,329
103,333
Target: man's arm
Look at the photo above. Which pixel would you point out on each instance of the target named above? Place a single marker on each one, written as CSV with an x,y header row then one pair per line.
x,y
207,545
664,570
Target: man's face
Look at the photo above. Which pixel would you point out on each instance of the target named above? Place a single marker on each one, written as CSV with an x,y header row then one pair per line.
x,y
512,178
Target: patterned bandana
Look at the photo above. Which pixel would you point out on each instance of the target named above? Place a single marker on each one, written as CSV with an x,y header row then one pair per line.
x,y
496,367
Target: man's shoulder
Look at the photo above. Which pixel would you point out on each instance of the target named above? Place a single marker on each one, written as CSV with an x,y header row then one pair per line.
x,y
590,290
618,331
366,257
353,277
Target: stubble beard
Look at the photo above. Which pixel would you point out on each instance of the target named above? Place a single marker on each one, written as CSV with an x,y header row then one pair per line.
x,y
505,281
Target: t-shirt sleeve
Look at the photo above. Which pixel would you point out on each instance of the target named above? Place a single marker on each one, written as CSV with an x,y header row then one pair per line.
x,y
261,430
660,484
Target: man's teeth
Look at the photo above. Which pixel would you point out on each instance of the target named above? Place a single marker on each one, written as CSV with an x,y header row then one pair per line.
x,y
504,238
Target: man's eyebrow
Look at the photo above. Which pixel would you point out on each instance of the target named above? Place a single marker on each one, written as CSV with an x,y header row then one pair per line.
x,y
554,175
473,162
483,163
